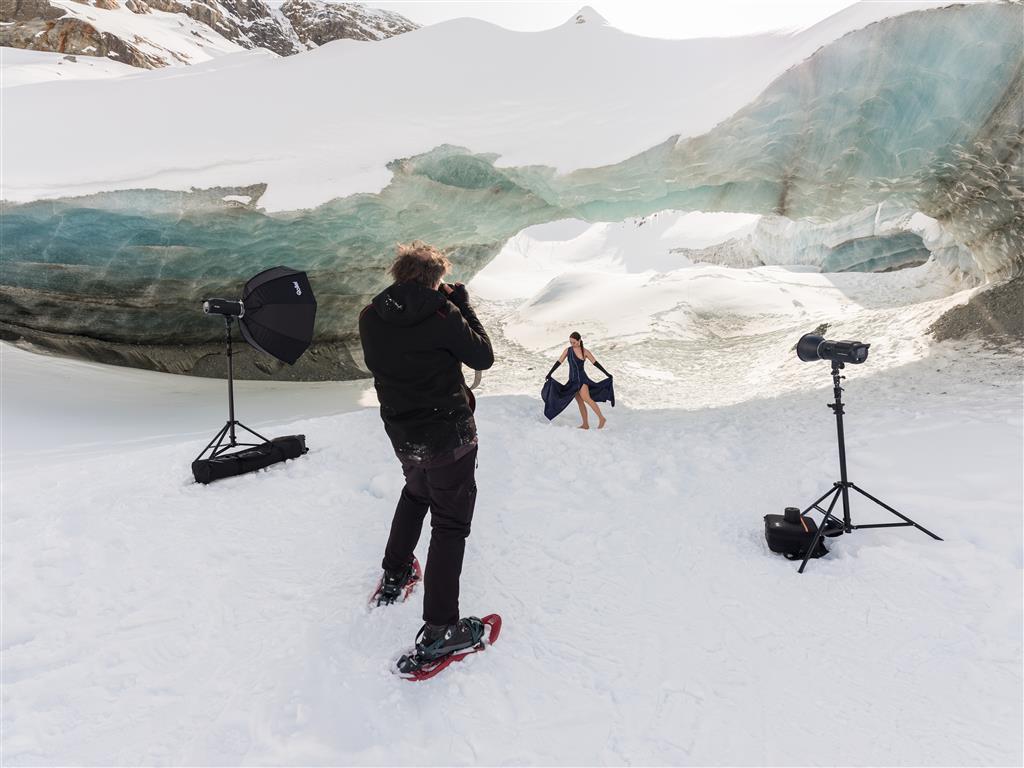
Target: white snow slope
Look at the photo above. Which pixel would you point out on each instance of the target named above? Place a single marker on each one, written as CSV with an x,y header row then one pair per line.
x,y
149,620
20,67
361,105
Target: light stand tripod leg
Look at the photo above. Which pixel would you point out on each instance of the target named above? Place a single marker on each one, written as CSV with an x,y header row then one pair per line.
x,y
901,517
215,442
253,432
814,505
821,528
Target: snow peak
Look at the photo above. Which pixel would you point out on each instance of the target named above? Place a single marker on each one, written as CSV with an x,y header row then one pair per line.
x,y
298,291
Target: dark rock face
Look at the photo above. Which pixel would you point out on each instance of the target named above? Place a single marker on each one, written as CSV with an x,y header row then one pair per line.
x,y
72,36
317,23
323,361
995,314
28,10
300,25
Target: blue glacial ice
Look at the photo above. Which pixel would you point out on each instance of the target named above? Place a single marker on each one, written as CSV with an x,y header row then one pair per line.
x,y
915,116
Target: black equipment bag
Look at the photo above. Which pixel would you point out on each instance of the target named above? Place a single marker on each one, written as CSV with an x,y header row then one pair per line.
x,y
791,534
231,464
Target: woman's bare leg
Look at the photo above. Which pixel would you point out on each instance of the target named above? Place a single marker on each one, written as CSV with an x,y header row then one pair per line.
x,y
585,393
583,411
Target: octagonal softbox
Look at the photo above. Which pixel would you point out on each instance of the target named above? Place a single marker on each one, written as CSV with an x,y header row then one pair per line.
x,y
280,311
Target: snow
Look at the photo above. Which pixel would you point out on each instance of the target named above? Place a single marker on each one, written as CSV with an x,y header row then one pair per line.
x,y
148,620
119,410
21,67
495,90
539,253
625,289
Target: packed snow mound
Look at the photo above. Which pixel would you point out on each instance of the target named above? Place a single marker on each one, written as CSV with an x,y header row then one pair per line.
x,y
540,253
586,15
713,303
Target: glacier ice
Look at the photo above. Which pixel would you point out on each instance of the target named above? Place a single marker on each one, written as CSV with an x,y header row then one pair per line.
x,y
916,116
879,238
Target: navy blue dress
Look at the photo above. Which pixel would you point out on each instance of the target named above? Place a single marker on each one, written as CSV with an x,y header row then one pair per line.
x,y
557,395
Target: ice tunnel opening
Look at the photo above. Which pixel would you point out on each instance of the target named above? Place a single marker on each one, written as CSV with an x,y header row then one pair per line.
x,y
680,296
879,239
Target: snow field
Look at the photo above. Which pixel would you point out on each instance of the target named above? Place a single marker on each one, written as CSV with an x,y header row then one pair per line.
x,y
148,620
511,100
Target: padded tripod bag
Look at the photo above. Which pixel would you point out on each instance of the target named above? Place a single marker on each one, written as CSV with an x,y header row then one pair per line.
x,y
791,534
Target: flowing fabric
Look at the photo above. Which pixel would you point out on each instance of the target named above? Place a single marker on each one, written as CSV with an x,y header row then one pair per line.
x,y
557,395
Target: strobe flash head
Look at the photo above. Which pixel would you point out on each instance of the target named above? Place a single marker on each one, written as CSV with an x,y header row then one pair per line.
x,y
223,307
812,347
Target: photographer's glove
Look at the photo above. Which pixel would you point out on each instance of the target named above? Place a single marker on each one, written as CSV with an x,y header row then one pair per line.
x,y
459,295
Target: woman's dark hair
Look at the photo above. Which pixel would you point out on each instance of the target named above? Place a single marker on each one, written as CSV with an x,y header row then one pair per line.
x,y
576,335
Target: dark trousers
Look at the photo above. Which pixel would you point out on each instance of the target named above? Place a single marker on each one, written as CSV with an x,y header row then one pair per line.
x,y
449,492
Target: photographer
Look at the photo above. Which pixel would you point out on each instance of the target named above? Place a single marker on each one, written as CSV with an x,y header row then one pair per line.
x,y
416,335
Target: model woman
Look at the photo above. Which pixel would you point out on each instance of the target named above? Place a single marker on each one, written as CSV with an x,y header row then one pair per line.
x,y
580,387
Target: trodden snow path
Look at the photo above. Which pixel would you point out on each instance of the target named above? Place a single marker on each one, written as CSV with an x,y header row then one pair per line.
x,y
149,620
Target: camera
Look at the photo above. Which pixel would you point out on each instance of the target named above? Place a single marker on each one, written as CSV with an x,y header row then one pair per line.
x,y
223,307
812,347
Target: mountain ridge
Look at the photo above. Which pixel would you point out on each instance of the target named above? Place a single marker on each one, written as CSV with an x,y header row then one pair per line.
x,y
157,33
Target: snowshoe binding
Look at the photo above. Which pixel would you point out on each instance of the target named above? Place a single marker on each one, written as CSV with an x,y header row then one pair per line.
x,y
439,646
395,586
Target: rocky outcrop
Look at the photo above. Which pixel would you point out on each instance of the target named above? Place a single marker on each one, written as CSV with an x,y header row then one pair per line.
x,y
51,30
299,25
28,10
317,23
995,313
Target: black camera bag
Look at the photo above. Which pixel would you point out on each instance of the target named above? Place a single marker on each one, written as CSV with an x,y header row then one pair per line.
x,y
791,534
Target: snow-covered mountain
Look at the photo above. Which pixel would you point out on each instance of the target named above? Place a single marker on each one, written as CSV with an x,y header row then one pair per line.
x,y
159,33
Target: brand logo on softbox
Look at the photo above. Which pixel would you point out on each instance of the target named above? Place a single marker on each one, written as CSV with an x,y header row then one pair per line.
x,y
298,291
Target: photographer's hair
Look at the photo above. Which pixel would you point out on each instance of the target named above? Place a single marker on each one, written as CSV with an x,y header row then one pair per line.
x,y
576,335
417,262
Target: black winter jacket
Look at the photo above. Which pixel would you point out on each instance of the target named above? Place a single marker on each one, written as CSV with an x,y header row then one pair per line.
x,y
415,341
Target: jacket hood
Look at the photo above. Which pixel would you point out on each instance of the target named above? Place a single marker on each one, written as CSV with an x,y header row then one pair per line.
x,y
405,304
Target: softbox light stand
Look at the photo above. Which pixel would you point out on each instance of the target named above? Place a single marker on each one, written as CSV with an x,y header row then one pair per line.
x,y
276,317
217,446
841,488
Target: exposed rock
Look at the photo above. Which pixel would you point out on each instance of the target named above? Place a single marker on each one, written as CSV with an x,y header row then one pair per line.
x,y
28,10
317,23
995,314
298,26
332,361
74,36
